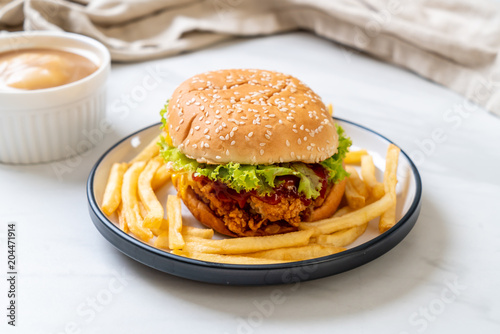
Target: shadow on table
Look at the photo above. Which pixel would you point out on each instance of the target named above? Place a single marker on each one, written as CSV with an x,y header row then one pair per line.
x,y
385,280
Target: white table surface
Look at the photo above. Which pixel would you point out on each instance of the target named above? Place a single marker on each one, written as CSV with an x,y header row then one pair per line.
x,y
443,277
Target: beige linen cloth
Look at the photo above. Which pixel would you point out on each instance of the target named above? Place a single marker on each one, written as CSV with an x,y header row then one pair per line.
x,y
452,42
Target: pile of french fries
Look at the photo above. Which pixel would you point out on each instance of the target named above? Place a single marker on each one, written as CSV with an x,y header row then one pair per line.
x,y
131,194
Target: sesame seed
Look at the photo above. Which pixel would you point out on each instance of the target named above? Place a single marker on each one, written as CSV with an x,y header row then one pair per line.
x,y
233,142
217,157
287,143
206,131
195,146
250,134
207,136
299,141
262,144
261,152
177,128
197,127
267,136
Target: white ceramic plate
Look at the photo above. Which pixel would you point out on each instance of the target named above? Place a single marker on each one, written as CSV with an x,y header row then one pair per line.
x,y
408,192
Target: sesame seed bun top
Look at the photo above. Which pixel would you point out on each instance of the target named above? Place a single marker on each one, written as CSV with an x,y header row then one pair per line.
x,y
250,117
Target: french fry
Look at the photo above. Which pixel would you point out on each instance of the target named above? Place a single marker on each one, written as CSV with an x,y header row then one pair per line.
x,y
342,238
162,228
330,109
122,223
297,253
149,152
130,203
342,211
142,210
356,181
175,239
112,195
248,244
388,218
161,177
153,207
163,242
368,174
230,259
355,218
354,199
354,157
204,233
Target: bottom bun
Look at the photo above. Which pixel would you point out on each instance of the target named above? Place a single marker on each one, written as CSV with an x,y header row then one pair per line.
x,y
330,205
207,217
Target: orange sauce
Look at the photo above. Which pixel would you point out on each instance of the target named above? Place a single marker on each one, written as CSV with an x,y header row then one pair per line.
x,y
32,69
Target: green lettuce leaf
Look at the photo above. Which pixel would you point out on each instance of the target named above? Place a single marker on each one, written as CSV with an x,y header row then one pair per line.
x,y
261,178
163,114
334,163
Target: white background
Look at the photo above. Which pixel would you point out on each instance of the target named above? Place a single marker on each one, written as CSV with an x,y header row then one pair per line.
x,y
444,277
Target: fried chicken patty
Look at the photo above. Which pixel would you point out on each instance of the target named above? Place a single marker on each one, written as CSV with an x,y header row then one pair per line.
x,y
255,214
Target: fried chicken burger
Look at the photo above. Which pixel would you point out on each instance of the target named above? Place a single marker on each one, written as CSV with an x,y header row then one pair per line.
x,y
253,152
